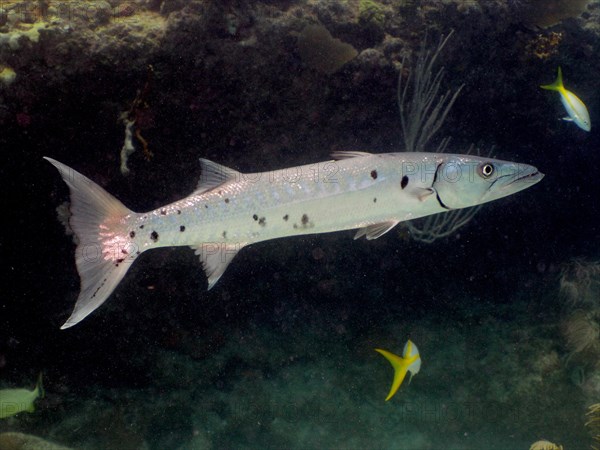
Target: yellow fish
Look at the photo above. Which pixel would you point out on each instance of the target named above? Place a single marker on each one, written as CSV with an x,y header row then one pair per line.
x,y
576,109
410,361
14,401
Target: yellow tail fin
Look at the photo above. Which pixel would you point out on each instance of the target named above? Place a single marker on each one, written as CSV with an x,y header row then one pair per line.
x,y
557,85
400,366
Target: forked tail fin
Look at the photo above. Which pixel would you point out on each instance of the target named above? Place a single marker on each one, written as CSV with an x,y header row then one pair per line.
x,y
557,85
104,251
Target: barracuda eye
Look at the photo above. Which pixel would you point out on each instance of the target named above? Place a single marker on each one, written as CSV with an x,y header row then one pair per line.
x,y
486,170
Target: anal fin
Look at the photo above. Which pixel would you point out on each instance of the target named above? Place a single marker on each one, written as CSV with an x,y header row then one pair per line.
x,y
215,257
376,230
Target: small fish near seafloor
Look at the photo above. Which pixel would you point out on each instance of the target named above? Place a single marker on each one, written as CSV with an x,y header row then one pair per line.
x,y
576,110
229,209
14,401
409,362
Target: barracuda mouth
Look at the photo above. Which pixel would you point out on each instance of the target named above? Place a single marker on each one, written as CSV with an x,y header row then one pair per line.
x,y
515,182
532,175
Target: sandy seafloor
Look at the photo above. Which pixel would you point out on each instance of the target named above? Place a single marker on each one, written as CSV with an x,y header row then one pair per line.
x,y
280,353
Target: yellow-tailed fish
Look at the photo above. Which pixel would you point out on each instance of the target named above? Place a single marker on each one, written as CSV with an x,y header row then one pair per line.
x,y
14,401
410,361
576,109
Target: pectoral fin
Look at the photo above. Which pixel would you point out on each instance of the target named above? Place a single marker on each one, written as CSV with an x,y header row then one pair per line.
x,y
215,257
349,154
423,193
376,230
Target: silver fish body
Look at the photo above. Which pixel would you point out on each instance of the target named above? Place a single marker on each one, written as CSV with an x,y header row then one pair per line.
x,y
229,209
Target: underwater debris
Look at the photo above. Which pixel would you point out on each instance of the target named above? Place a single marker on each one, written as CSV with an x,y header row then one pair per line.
x,y
130,118
319,50
545,445
63,214
128,149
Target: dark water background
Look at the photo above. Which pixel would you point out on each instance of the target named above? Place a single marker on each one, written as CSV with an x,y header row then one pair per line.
x,y
510,252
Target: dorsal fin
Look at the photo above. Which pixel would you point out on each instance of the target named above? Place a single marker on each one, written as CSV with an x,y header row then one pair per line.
x,y
347,155
214,175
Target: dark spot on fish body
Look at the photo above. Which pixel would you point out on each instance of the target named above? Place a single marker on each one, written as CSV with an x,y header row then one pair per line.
x,y
141,227
224,235
178,211
226,200
182,228
305,222
255,217
375,200
163,212
404,182
262,221
206,206
132,234
374,174
154,236
286,217
124,251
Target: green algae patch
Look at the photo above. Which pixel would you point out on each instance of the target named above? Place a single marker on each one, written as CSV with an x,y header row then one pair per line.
x,y
372,13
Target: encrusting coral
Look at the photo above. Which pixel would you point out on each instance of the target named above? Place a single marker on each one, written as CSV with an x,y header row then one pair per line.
x,y
580,281
581,332
593,424
580,287
545,445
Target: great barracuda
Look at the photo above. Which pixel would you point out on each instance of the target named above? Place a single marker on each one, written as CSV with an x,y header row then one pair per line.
x,y
229,209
